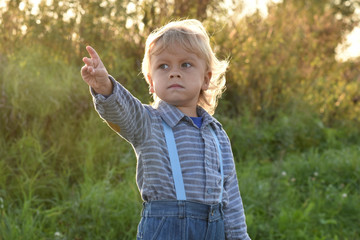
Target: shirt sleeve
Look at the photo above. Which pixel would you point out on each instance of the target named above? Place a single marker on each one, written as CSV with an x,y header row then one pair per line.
x,y
123,112
234,216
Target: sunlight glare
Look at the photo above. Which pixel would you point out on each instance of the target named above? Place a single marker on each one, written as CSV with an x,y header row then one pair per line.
x,y
251,6
350,48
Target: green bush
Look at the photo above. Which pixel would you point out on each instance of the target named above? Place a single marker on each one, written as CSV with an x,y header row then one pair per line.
x,y
252,137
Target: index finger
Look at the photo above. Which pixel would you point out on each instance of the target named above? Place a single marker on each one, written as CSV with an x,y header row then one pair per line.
x,y
92,52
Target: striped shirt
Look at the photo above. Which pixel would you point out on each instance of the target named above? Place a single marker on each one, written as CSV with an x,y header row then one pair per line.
x,y
141,126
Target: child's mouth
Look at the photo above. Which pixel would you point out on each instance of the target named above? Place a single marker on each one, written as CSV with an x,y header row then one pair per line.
x,y
176,86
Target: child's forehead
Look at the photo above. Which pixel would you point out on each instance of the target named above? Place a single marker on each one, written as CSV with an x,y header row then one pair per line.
x,y
176,54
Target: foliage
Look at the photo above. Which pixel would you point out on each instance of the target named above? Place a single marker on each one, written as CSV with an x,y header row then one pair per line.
x,y
252,138
283,62
306,196
291,112
286,63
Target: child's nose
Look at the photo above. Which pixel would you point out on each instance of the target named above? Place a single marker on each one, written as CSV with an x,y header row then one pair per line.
x,y
175,75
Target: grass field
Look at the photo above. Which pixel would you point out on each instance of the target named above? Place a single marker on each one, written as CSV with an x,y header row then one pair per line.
x,y
65,175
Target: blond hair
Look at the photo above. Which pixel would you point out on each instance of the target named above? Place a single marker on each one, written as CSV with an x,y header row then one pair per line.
x,y
192,36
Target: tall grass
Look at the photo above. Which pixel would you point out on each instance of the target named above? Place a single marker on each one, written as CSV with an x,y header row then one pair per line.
x,y
61,167
306,196
65,175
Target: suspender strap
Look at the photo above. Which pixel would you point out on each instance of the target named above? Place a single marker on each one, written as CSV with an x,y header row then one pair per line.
x,y
175,163
221,162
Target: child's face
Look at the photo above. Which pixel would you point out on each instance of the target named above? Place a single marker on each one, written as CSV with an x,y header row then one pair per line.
x,y
177,77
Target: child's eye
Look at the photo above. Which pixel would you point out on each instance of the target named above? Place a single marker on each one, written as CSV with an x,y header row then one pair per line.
x,y
163,66
186,65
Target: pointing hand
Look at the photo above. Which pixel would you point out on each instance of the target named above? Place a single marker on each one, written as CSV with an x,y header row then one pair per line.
x,y
95,74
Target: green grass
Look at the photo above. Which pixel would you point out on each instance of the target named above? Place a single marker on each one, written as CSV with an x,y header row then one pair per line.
x,y
65,175
306,196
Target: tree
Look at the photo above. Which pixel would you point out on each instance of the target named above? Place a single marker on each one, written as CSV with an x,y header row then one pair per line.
x,y
287,61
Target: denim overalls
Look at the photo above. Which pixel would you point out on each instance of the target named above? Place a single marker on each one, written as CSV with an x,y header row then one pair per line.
x,y
181,219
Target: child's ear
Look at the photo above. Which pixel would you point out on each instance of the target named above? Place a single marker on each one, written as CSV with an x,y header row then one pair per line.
x,y
151,83
207,78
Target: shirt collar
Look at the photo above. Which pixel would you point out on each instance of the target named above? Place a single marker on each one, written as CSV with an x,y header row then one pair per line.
x,y
172,115
169,113
207,118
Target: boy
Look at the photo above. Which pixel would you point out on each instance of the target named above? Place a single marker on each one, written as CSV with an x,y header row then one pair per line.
x,y
185,168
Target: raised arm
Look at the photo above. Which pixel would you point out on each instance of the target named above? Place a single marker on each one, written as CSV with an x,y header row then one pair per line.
x,y
124,113
95,74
